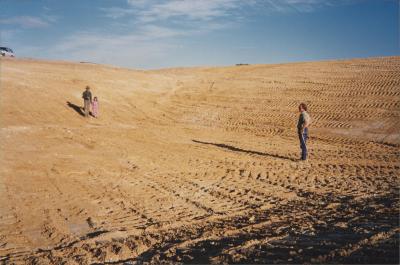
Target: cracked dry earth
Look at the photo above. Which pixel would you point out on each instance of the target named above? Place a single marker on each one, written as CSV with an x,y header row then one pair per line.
x,y
199,165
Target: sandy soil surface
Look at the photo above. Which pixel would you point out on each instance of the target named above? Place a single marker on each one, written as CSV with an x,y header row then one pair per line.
x,y
199,165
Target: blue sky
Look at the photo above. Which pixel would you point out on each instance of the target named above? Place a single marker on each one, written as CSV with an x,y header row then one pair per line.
x,y
149,34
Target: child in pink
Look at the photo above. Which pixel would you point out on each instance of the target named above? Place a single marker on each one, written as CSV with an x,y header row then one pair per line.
x,y
95,107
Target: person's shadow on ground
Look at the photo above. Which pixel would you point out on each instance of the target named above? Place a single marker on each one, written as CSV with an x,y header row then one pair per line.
x,y
236,149
76,108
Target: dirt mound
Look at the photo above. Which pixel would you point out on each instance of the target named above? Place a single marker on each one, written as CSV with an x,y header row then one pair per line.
x,y
199,165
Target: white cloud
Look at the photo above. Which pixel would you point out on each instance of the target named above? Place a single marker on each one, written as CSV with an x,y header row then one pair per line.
x,y
192,10
141,48
151,30
117,12
140,3
165,19
51,18
300,5
25,21
146,11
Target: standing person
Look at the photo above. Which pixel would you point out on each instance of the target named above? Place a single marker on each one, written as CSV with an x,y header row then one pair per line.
x,y
95,107
302,129
87,100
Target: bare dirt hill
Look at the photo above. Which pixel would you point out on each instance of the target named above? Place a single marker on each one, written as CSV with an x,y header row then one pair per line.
x,y
199,165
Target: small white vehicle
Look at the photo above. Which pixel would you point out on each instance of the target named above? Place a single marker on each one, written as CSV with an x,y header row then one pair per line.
x,y
4,51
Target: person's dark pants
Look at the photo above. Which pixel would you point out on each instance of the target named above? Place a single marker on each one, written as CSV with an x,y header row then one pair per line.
x,y
303,143
86,107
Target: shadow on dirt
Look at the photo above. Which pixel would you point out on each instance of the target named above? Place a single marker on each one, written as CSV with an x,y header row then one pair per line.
x,y
236,149
77,108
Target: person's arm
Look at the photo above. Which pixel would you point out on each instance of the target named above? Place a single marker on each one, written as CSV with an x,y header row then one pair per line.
x,y
306,122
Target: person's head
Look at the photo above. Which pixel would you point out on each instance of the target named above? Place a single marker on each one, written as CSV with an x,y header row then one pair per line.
x,y
95,98
302,107
87,88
